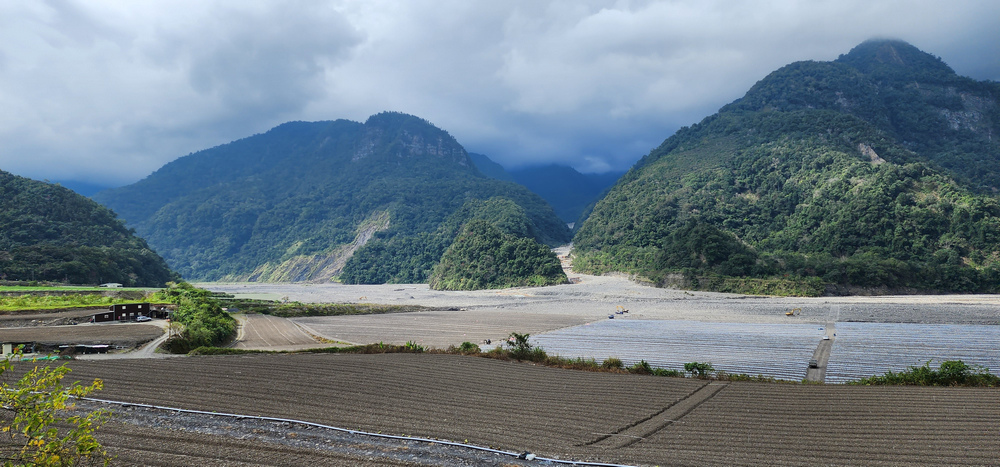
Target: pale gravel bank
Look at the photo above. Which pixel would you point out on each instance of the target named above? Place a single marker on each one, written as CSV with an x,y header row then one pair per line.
x,y
475,316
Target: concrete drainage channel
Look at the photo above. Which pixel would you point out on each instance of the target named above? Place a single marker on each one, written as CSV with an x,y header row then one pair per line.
x,y
527,456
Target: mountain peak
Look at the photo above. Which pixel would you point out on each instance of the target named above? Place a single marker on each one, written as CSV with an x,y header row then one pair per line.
x,y
883,55
402,136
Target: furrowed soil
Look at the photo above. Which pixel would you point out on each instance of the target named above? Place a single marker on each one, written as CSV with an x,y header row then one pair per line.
x,y
619,418
122,334
272,333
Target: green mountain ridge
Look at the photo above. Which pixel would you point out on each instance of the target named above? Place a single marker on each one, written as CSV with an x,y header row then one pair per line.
x,y
50,233
310,201
876,170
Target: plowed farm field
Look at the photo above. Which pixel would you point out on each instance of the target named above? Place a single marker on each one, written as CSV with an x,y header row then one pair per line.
x,y
272,333
619,418
128,335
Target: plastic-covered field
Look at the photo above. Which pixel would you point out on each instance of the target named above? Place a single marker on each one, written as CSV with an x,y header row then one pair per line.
x,y
779,350
867,349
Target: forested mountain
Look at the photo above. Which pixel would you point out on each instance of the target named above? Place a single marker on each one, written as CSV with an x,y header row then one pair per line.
x,y
484,256
49,233
308,201
878,169
568,191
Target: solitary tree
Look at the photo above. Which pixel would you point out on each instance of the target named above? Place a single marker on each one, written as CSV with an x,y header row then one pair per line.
x,y
41,422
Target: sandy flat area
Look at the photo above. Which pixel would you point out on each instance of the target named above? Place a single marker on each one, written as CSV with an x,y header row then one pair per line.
x,y
492,314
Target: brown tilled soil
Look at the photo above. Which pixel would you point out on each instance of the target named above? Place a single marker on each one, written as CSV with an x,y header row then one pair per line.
x,y
552,412
128,335
47,317
272,333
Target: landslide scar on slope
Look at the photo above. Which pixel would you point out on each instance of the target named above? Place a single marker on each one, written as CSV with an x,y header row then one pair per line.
x,y
321,267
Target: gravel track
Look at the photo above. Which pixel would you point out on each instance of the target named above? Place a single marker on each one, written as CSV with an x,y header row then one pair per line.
x,y
554,413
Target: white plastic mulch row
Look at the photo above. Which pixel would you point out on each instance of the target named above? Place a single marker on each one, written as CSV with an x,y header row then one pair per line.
x,y
779,350
868,349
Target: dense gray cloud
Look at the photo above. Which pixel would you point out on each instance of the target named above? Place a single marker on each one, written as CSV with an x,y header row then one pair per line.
x,y
109,91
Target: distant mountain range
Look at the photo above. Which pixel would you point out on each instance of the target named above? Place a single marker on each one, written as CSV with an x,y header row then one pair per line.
x,y
371,202
878,170
569,192
49,233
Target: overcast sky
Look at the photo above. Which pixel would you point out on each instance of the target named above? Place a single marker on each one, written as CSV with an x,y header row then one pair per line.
x,y
108,91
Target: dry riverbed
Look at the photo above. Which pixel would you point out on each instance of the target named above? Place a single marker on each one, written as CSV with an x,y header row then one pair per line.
x,y
492,314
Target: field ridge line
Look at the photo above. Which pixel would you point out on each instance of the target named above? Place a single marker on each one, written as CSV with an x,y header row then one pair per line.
x,y
642,429
618,432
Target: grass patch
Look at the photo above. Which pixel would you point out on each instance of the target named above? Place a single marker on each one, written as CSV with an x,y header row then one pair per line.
x,y
297,310
32,302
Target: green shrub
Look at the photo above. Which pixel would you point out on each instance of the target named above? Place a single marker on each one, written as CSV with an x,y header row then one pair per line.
x,y
700,370
723,376
612,363
413,346
949,373
641,367
668,373
518,348
205,323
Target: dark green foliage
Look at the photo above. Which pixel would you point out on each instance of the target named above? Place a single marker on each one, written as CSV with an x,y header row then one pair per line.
x,y
252,208
812,178
49,233
698,369
297,309
612,363
410,259
485,257
518,348
667,373
468,348
641,367
950,373
205,323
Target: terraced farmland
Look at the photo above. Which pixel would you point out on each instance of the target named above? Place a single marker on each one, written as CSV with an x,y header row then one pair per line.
x,y
779,350
867,349
571,414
